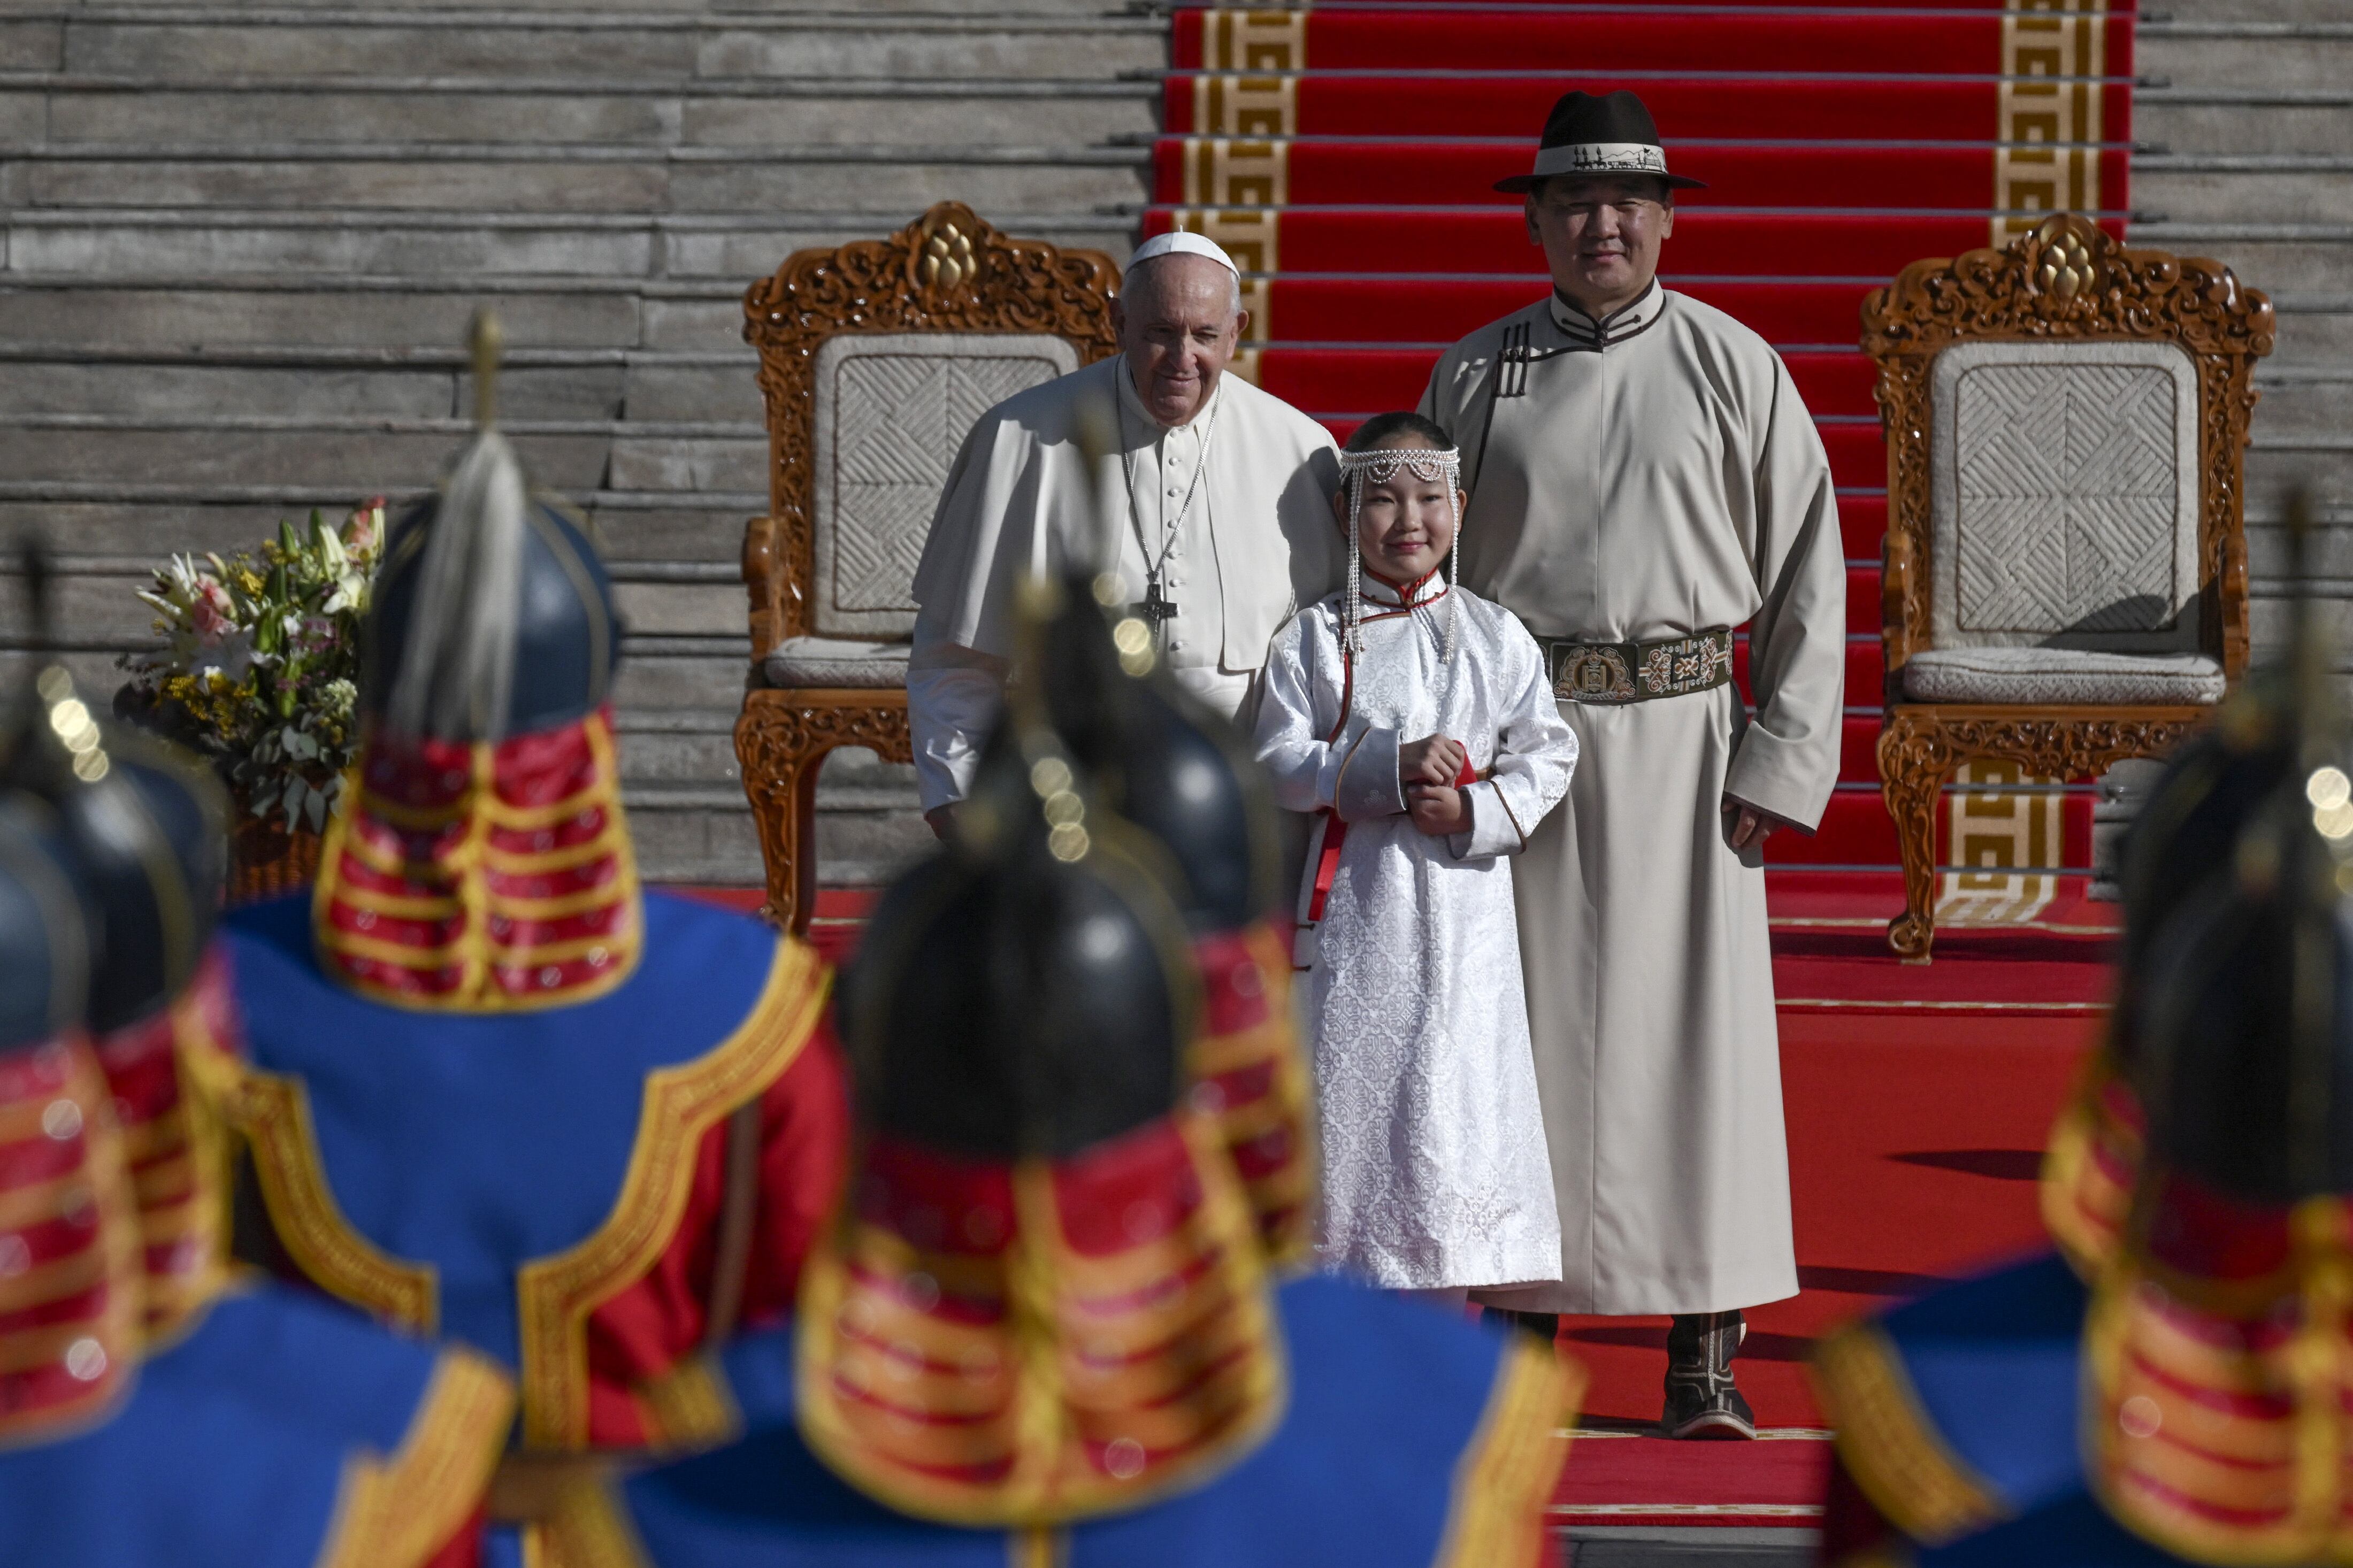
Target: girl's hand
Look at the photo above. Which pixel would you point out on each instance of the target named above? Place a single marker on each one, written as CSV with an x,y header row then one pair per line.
x,y
1434,760
1438,809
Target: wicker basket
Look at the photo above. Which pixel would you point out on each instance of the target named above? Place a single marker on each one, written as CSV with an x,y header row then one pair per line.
x,y
266,860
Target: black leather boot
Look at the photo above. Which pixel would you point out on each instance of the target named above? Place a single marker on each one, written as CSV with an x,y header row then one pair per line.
x,y
1702,1399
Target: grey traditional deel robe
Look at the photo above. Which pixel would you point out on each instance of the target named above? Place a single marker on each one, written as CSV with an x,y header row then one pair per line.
x,y
1652,480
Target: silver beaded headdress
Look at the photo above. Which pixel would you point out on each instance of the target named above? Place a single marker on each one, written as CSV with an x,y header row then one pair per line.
x,y
1378,465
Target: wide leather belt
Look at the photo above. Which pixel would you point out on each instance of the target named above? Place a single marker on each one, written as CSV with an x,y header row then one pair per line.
x,y
1614,672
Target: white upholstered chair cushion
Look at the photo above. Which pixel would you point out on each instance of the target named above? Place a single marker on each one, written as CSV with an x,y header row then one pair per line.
x,y
835,662
891,410
2064,496
2040,675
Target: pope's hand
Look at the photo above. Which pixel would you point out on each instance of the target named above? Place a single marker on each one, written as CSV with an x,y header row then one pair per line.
x,y
1438,809
1433,759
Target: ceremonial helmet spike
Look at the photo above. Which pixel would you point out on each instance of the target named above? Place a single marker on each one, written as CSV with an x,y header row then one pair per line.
x,y
493,615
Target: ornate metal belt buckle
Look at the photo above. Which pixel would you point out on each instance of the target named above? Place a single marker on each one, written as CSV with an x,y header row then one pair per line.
x,y
1594,674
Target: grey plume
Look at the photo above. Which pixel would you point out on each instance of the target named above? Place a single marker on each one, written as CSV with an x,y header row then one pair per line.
x,y
456,668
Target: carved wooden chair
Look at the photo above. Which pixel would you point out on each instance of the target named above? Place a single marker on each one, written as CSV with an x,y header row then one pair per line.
x,y
875,359
2065,575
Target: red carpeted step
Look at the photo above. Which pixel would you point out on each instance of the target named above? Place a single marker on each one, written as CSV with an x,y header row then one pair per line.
x,y
1743,42
1915,1135
1368,379
1856,831
1620,1480
1708,241
1859,749
1862,523
1863,600
1501,103
1858,456
1802,174
1370,310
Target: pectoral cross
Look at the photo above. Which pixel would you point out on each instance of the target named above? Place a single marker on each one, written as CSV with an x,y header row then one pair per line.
x,y
1157,608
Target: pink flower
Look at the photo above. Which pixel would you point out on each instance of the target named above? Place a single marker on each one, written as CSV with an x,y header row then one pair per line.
x,y
211,612
365,527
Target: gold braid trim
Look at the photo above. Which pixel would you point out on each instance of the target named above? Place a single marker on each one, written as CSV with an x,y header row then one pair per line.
x,y
1050,1482
273,1111
465,872
584,1527
1505,1480
102,1182
1037,1548
399,1512
688,1406
1900,1461
556,1295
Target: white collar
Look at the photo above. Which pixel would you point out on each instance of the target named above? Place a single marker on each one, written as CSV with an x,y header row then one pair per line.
x,y
1426,589
1613,329
1132,400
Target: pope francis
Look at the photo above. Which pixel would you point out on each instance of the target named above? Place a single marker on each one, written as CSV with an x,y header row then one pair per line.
x,y
1644,482
1212,497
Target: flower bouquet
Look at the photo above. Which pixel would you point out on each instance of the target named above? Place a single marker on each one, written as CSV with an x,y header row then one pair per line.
x,y
260,672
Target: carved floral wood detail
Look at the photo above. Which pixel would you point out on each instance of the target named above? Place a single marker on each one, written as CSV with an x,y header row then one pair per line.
x,y
2067,280
1923,743
948,271
780,739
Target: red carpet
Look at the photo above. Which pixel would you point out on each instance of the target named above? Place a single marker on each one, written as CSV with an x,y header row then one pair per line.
x,y
1917,1099
1350,170
1508,103
1912,1160
1345,153
1687,40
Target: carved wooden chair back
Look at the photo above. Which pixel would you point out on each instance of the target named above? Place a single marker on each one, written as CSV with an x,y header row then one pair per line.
x,y
2064,419
875,359
2064,579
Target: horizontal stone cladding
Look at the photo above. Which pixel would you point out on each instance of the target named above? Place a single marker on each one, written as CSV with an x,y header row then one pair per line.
x,y
243,241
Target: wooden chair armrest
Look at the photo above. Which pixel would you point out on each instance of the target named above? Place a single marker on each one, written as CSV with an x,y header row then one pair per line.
x,y
760,583
2231,596
1895,598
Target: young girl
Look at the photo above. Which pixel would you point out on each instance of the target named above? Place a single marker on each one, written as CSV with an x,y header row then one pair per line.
x,y
1416,722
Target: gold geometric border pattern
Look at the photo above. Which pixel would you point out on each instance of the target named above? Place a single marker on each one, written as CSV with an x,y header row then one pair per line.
x,y
2053,55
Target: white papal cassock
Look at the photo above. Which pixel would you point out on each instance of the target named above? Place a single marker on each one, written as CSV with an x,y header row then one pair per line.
x,y
1654,476
1257,541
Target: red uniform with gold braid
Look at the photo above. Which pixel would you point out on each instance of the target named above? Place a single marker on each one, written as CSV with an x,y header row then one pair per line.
x,y
2172,1386
154,1410
499,1092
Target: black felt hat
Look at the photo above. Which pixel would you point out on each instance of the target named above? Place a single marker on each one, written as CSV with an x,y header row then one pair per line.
x,y
1609,134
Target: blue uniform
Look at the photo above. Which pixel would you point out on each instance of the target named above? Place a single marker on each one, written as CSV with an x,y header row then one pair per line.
x,y
1411,1440
282,1432
1959,1421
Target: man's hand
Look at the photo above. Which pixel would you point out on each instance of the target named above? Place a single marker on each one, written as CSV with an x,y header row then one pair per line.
x,y
1434,760
942,819
1438,809
1744,825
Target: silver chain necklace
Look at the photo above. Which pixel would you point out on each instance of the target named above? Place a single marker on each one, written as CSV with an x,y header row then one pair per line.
x,y
1159,609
